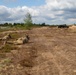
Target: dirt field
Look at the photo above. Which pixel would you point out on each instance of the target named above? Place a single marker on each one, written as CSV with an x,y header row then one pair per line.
x,y
50,51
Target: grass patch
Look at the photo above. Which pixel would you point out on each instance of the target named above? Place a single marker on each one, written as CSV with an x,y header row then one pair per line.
x,y
7,29
15,35
6,61
8,48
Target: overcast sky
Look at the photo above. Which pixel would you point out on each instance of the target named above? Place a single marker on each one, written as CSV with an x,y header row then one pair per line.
x,y
48,11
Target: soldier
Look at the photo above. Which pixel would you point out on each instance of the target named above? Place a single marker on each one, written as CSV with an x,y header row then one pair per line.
x,y
8,36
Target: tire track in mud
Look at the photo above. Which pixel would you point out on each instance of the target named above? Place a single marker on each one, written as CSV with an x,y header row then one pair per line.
x,y
43,40
47,54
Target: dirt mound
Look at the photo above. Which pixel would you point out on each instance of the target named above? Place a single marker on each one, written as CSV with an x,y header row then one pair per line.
x,y
72,27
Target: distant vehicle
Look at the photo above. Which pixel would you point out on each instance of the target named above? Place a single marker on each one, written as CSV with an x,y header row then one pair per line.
x,y
63,26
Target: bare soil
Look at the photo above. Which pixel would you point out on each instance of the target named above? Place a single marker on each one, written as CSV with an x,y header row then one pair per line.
x,y
50,51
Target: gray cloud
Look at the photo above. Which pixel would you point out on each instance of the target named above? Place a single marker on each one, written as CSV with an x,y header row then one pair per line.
x,y
53,12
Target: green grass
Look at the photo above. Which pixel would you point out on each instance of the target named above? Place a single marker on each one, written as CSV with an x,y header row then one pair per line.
x,y
15,35
8,48
6,61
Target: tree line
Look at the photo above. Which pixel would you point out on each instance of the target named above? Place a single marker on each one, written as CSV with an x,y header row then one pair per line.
x,y
28,23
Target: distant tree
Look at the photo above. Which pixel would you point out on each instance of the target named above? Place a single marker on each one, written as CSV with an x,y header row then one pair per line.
x,y
28,20
74,23
22,24
43,24
14,24
10,24
5,24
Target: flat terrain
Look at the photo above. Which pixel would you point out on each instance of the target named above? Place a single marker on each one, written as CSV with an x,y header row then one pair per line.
x,y
50,51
